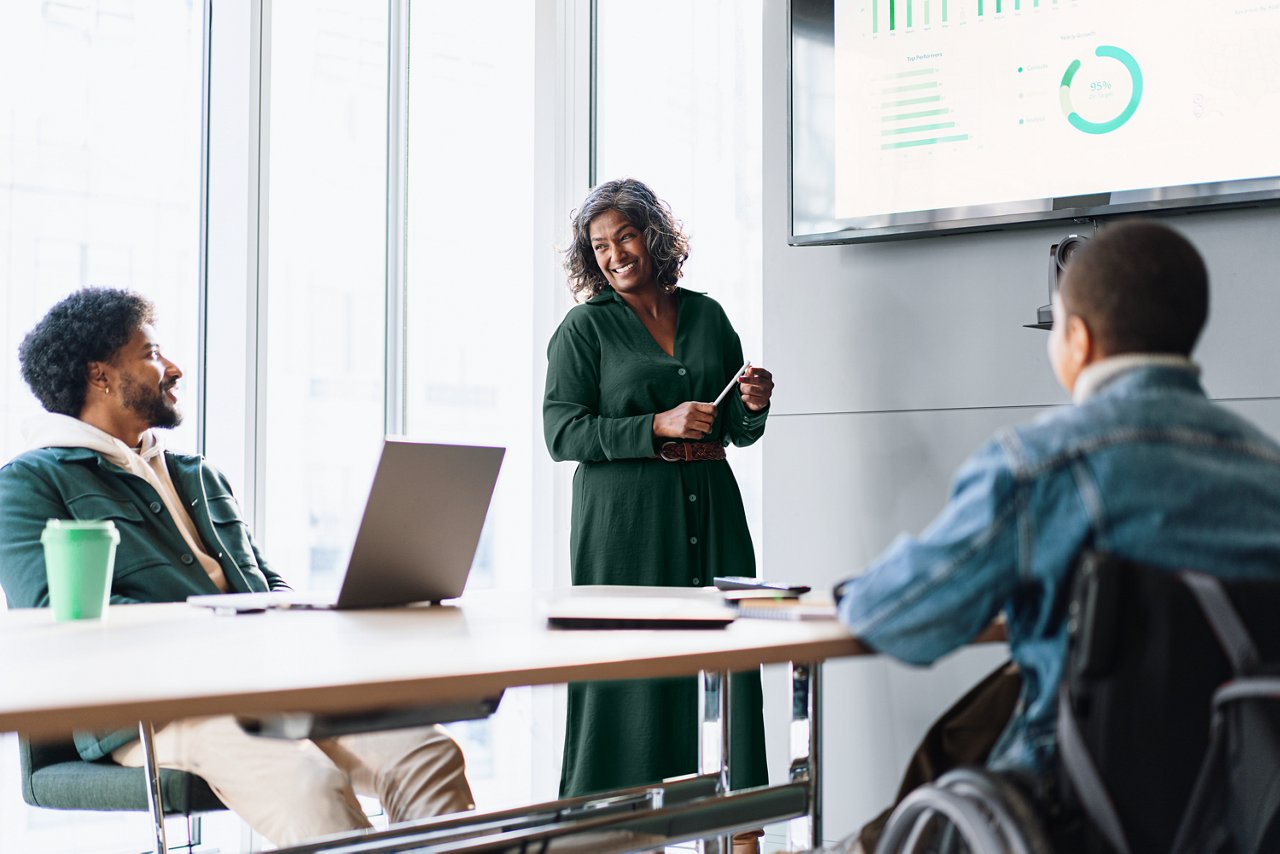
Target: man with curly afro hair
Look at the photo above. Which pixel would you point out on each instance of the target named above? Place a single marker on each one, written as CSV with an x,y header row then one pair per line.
x,y
95,363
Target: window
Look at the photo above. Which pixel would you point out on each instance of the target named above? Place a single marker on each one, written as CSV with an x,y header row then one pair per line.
x,y
326,304
99,174
469,300
470,249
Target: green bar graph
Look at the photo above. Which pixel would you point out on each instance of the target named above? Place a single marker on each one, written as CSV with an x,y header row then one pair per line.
x,y
918,114
875,15
912,143
926,13
944,11
911,102
917,128
910,87
909,22
979,7
892,15
998,5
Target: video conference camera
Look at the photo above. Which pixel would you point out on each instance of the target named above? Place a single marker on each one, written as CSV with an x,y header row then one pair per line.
x,y
1059,254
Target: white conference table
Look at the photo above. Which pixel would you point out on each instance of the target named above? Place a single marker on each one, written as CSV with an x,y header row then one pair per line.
x,y
163,662
157,663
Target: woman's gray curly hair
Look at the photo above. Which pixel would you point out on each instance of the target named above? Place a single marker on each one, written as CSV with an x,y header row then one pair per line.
x,y
667,244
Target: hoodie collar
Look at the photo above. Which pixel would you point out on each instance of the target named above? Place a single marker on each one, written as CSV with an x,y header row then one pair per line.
x,y
52,430
1094,377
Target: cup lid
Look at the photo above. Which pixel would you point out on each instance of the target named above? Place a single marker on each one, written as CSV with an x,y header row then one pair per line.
x,y
77,528
80,524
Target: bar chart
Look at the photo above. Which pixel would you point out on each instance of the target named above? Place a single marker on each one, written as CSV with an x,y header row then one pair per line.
x,y
891,16
914,111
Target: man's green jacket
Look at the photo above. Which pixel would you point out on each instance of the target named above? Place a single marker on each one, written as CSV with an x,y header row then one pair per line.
x,y
153,562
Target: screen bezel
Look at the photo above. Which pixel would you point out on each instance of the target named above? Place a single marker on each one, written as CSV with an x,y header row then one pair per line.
x,y
1187,198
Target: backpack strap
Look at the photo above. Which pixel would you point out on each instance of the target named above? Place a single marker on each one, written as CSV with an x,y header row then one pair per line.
x,y
1223,619
1084,776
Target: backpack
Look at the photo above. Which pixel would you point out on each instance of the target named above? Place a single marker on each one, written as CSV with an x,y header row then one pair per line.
x,y
1168,736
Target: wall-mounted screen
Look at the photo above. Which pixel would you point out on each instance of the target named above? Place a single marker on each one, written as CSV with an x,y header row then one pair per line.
x,y
910,117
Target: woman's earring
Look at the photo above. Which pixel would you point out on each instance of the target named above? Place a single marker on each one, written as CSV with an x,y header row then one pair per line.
x,y
669,289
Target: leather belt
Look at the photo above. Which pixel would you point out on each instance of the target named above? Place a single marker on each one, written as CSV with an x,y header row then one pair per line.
x,y
689,452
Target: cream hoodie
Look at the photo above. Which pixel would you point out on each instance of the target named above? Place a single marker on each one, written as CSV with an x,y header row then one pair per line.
x,y
51,430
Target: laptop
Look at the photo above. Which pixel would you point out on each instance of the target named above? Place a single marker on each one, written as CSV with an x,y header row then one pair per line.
x,y
623,607
417,537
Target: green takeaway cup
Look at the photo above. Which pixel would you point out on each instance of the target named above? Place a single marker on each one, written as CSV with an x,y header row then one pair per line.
x,y
79,558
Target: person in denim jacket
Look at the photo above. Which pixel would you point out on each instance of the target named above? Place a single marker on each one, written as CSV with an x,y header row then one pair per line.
x,y
1142,465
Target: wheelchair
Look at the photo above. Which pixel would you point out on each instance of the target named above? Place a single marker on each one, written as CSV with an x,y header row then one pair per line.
x,y
1168,730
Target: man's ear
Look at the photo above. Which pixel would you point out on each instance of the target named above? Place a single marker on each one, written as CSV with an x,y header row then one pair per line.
x,y
1082,347
99,381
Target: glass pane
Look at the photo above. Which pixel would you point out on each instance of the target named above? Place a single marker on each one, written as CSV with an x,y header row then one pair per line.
x,y
470,306
99,175
689,126
470,253
326,306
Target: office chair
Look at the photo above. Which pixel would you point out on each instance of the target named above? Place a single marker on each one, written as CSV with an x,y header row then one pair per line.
x,y
55,777
1168,729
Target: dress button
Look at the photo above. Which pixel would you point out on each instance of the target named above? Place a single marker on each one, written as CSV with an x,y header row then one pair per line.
x,y
682,372
188,559
693,498
697,582
693,541
155,506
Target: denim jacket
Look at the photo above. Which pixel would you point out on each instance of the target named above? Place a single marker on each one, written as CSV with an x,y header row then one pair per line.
x,y
1146,468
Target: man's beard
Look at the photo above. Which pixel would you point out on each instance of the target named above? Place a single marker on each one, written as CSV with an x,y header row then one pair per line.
x,y
149,403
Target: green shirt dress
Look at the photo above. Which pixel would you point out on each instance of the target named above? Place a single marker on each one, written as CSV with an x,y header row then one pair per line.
x,y
637,519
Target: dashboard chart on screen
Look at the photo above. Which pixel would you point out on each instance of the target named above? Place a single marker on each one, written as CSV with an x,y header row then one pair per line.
x,y
914,116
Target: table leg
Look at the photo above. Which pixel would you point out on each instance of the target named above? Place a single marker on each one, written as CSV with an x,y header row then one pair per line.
x,y
155,799
713,741
806,750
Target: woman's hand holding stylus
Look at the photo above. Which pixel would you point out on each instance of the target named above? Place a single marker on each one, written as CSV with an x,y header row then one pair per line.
x,y
756,386
689,420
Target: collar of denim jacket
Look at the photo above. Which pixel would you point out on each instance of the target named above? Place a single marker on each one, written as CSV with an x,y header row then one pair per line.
x,y
1095,376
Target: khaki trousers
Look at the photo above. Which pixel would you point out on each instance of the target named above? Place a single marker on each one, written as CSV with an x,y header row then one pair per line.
x,y
291,791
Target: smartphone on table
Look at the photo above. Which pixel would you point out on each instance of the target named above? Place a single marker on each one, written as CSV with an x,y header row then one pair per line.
x,y
742,582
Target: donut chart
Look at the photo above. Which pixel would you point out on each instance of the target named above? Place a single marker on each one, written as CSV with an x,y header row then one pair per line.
x,y
1086,126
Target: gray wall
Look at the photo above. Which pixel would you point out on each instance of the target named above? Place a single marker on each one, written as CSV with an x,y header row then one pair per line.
x,y
894,361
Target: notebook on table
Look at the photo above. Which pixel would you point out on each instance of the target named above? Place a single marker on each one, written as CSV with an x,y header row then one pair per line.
x,y
814,607
418,535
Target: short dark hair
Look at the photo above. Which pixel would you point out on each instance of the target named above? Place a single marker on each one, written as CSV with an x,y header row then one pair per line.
x,y
1140,287
667,244
91,325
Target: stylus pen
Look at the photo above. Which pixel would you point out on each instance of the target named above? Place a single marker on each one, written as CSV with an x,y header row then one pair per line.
x,y
733,382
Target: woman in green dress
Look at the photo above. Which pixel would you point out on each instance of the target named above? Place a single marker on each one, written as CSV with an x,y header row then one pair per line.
x,y
630,374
